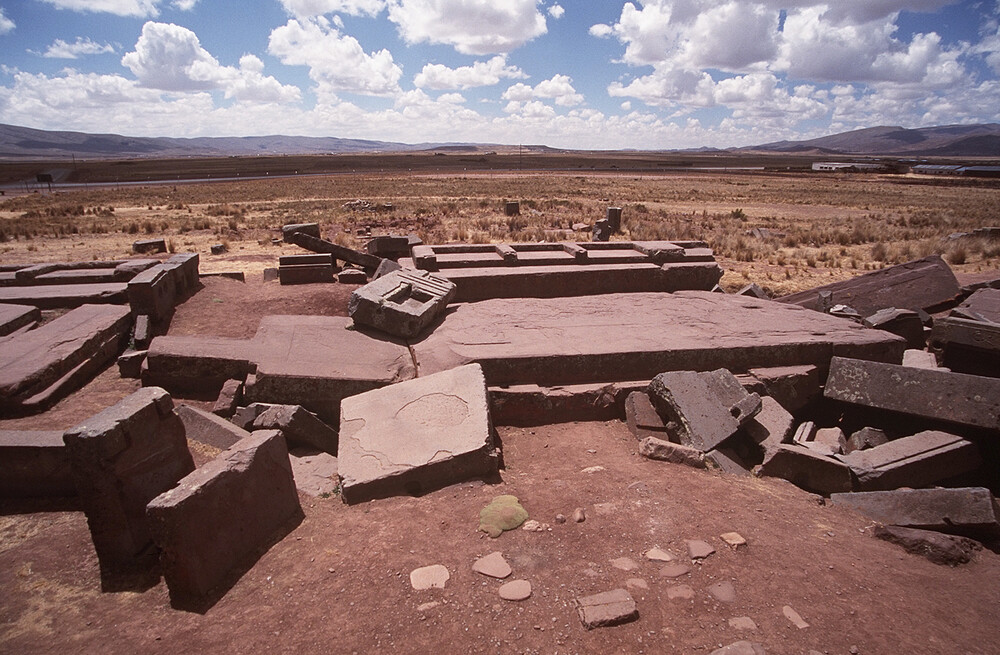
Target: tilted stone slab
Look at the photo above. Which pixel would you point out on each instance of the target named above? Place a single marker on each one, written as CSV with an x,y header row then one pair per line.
x,y
219,519
65,296
807,469
416,436
925,284
981,305
402,303
976,335
15,317
310,229
771,427
38,366
121,459
642,418
34,464
368,262
299,426
939,548
794,387
967,510
953,397
207,428
632,336
700,404
915,461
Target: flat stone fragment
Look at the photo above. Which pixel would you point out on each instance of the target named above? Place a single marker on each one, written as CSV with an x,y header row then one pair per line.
x,y
966,510
866,437
403,303
674,570
902,322
229,398
492,565
416,435
807,469
984,304
700,404
658,555
919,359
921,284
724,592
946,549
34,464
794,617
658,449
728,461
794,387
915,461
772,425
65,296
734,539
740,648
607,609
742,623
955,397
208,428
434,576
561,341
624,564
122,458
220,518
515,590
698,549
352,276
642,418
681,591
299,426
15,317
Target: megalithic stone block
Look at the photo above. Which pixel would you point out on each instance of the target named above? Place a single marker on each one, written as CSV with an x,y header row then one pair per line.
x,y
967,510
34,465
642,418
121,459
926,284
299,426
403,303
219,519
311,229
955,397
807,469
701,404
368,262
905,323
984,304
15,317
915,461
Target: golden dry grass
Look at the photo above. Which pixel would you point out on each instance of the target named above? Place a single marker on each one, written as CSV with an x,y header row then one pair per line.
x,y
823,228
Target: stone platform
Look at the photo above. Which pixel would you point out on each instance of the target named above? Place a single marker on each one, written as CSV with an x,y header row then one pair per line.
x,y
59,296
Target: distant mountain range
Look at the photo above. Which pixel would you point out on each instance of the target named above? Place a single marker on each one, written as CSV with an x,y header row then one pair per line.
x,y
26,143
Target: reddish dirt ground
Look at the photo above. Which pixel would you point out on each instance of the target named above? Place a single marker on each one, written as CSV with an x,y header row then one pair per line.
x,y
338,583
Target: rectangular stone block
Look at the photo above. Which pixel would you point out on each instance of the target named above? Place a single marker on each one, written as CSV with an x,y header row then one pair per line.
x,y
149,246
967,510
531,404
78,276
403,303
65,296
953,397
665,451
807,469
153,293
772,426
700,404
607,609
310,229
15,317
642,418
305,273
230,397
389,246
184,268
926,284
298,260
122,458
207,428
415,436
221,518
915,461
197,363
309,242
34,465
40,365
299,426
983,305
795,387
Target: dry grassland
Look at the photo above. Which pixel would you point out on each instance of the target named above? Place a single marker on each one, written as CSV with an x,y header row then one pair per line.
x,y
822,227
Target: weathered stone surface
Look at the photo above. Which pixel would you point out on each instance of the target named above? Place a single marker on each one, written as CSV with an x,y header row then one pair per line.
x,y
492,565
954,397
38,366
724,591
315,472
352,276
209,428
925,284
607,609
305,273
728,461
142,333
229,398
642,418
967,510
662,450
245,416
772,426
674,570
698,549
299,426
903,322
733,539
915,461
601,230
829,441
64,296
530,404
939,548
149,246
434,576
130,363
919,359
385,267
515,590
865,438
153,293
753,290
984,304
197,363
403,303
657,554
15,317
389,246
794,387
807,469
34,464
681,591
416,435
564,340
122,458
614,218
700,405
219,519
794,617
311,229
957,335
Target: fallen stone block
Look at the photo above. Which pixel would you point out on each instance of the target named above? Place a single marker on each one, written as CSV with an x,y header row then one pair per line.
x,y
197,363
804,433
142,333
34,465
607,609
149,246
218,520
385,267
511,208
807,469
754,291
128,269
966,345
829,441
209,429
772,426
700,403
41,365
305,269
967,510
938,548
299,426
390,246
15,317
915,461
926,284
531,404
601,230
244,417
983,305
660,449
229,398
309,242
310,229
218,248
864,439
153,293
794,387
121,458
415,436
642,418
953,397
902,322
183,268
402,303
614,218
130,363
352,275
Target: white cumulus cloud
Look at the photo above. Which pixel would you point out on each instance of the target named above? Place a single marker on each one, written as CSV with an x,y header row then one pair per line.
x,y
556,11
558,88
83,46
481,73
472,27
312,8
6,24
138,8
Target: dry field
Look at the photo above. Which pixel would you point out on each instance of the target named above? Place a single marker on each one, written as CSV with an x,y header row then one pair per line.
x,y
822,227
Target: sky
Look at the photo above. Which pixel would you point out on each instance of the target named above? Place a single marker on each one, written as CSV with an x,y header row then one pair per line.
x,y
585,74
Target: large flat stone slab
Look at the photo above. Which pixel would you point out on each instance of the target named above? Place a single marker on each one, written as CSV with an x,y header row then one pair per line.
x,y
617,337
925,284
967,510
953,397
40,365
34,464
65,296
188,363
15,317
807,469
915,461
983,305
416,436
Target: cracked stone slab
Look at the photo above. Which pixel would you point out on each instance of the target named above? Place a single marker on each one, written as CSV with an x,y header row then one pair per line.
x,y
966,510
416,436
607,609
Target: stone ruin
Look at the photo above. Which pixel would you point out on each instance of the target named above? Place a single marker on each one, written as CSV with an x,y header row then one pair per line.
x,y
853,391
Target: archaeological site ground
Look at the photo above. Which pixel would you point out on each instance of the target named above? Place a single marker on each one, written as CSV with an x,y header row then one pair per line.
x,y
420,404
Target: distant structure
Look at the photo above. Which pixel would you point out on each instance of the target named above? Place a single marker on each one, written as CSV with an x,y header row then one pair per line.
x,y
849,167
956,169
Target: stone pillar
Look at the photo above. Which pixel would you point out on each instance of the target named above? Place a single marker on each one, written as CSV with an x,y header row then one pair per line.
x,y
615,219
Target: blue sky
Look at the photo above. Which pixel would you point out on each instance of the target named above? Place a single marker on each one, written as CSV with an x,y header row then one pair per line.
x,y
566,73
